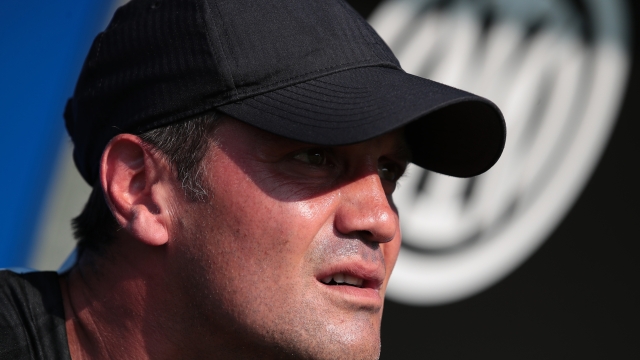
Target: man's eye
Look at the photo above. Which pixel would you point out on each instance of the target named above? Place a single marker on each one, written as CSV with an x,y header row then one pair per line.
x,y
312,156
389,172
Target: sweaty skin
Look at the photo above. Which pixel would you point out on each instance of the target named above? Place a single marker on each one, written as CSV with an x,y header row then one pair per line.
x,y
243,274
275,222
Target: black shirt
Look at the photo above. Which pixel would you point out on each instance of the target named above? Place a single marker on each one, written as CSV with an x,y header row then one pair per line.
x,y
32,317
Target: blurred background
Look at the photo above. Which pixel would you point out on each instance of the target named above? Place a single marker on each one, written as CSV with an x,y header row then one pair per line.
x,y
536,259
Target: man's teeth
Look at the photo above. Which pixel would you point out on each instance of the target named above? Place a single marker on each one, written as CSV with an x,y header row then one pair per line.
x,y
343,279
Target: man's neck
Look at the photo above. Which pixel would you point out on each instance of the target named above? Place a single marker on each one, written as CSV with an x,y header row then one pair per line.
x,y
113,310
97,316
121,307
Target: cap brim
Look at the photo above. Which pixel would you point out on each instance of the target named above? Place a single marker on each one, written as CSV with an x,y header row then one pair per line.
x,y
448,130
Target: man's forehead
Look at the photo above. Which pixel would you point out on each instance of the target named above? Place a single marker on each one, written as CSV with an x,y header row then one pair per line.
x,y
393,142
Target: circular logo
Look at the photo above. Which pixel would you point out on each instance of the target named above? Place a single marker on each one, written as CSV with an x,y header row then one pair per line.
x,y
558,70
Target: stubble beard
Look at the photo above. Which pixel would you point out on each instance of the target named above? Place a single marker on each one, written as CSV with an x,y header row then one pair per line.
x,y
303,331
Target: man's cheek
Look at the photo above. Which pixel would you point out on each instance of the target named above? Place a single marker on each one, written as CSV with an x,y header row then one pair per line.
x,y
316,209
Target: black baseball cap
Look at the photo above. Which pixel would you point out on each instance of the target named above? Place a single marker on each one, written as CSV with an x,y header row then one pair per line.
x,y
309,70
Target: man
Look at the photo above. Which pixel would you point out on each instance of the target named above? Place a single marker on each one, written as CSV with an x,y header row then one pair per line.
x,y
243,156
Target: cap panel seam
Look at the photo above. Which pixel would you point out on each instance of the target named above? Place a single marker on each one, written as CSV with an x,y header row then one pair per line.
x,y
97,55
317,71
222,50
95,60
367,37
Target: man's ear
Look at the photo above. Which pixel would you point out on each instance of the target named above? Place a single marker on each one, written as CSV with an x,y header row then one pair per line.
x,y
136,183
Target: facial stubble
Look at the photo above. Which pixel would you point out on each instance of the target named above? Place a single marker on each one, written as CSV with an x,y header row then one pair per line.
x,y
273,322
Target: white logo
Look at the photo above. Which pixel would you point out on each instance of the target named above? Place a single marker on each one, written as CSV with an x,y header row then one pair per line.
x,y
558,71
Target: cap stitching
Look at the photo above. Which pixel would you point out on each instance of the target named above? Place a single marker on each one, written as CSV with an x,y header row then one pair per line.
x,y
338,85
330,89
309,110
364,121
369,99
290,88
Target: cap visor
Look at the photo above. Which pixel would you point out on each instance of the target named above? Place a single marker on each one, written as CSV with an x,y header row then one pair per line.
x,y
448,130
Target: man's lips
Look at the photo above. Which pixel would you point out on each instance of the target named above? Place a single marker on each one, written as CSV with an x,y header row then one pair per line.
x,y
357,280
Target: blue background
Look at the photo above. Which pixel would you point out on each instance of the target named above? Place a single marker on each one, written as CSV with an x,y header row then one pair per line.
x,y
42,47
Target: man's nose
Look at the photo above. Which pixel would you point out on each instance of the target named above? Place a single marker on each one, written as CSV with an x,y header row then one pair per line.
x,y
365,211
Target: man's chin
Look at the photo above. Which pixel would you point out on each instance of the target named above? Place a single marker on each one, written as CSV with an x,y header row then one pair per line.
x,y
335,334
324,350
344,337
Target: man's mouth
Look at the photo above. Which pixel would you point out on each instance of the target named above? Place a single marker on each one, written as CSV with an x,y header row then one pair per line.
x,y
353,275
343,279
357,282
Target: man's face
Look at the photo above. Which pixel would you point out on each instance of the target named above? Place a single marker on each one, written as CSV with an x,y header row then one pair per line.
x,y
294,247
